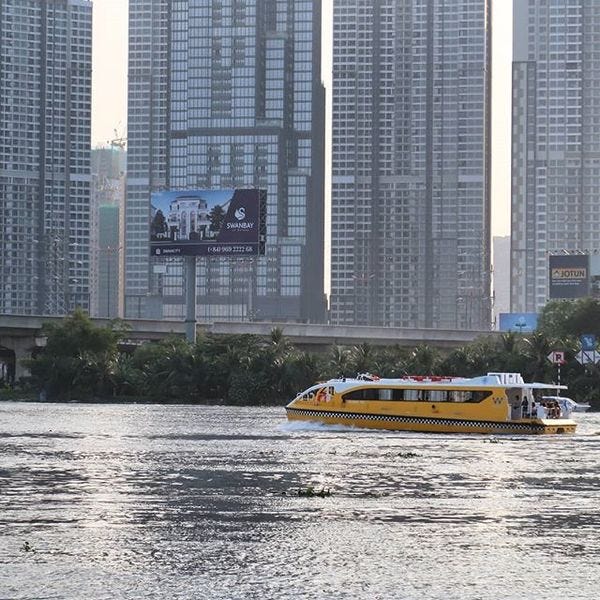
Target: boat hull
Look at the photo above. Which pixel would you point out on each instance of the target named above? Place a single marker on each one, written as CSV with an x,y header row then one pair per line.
x,y
430,424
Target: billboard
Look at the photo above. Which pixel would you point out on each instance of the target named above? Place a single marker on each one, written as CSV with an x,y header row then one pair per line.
x,y
520,322
227,222
595,276
569,276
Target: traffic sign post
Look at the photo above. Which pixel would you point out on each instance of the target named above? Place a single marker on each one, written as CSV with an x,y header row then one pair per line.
x,y
588,353
585,357
588,342
558,358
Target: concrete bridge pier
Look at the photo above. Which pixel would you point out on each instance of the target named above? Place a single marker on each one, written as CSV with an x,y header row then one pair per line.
x,y
21,347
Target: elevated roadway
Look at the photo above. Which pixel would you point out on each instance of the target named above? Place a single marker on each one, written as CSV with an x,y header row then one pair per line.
x,y
21,334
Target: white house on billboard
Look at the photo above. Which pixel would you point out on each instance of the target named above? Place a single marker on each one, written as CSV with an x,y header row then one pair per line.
x,y
189,219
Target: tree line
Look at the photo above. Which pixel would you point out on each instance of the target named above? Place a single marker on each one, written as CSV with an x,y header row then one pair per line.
x,y
83,361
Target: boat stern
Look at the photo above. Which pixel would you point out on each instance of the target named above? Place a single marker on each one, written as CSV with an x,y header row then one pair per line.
x,y
557,426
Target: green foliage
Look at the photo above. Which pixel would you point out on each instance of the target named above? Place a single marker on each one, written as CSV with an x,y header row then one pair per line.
x,y
216,216
78,360
362,358
563,322
82,360
337,362
565,318
423,360
166,370
584,317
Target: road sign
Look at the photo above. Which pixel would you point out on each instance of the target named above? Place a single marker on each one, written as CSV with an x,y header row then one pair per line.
x,y
585,357
588,341
557,357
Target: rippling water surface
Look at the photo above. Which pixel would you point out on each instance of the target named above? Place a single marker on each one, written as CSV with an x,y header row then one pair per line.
x,y
117,501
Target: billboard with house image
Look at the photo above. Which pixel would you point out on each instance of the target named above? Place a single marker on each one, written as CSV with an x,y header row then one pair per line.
x,y
226,222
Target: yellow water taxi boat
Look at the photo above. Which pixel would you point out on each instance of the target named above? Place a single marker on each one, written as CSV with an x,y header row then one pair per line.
x,y
493,403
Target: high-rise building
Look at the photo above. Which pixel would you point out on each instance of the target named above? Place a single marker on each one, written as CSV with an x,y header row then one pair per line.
x,y
410,179
555,140
226,94
106,238
45,100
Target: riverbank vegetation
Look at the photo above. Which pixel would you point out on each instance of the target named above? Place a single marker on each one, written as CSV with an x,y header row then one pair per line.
x,y
82,362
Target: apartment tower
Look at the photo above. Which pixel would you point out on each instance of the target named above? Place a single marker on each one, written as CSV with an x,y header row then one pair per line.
x,y
45,99
410,179
555,141
228,94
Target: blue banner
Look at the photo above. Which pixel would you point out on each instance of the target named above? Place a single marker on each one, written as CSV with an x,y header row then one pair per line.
x,y
519,322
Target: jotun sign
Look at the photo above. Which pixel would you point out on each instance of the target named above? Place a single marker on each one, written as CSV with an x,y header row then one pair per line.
x,y
224,222
569,276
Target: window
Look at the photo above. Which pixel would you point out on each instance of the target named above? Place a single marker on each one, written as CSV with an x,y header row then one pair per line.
x,y
416,395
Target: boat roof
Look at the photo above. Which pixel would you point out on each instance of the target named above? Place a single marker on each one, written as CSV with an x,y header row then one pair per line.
x,y
498,380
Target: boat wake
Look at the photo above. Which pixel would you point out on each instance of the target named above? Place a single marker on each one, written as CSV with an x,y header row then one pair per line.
x,y
292,426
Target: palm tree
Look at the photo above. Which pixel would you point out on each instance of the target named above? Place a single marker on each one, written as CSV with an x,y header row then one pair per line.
x,y
423,360
537,347
362,358
391,361
280,345
216,217
338,362
301,370
127,378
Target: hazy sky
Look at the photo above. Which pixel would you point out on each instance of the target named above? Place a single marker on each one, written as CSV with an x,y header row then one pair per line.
x,y
109,76
109,89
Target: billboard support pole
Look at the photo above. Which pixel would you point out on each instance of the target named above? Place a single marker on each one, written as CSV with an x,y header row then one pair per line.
x,y
190,299
250,307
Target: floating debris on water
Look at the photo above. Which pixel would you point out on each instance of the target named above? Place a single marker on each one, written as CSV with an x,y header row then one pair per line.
x,y
27,547
408,455
375,494
311,492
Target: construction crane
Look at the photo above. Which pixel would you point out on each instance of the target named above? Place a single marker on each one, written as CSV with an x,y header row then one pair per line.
x,y
118,141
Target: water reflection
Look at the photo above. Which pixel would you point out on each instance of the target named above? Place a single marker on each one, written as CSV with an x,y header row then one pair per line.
x,y
180,501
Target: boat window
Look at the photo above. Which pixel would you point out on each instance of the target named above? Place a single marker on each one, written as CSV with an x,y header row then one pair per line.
x,y
438,395
385,394
469,395
414,395
411,395
362,394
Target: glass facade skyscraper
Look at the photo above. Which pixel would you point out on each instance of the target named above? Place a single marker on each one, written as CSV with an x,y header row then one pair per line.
x,y
410,179
555,140
225,94
45,103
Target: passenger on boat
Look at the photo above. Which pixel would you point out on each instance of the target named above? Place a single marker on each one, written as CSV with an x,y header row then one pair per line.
x,y
542,413
515,406
524,407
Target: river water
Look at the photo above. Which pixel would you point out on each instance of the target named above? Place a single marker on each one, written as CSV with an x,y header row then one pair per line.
x,y
146,501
